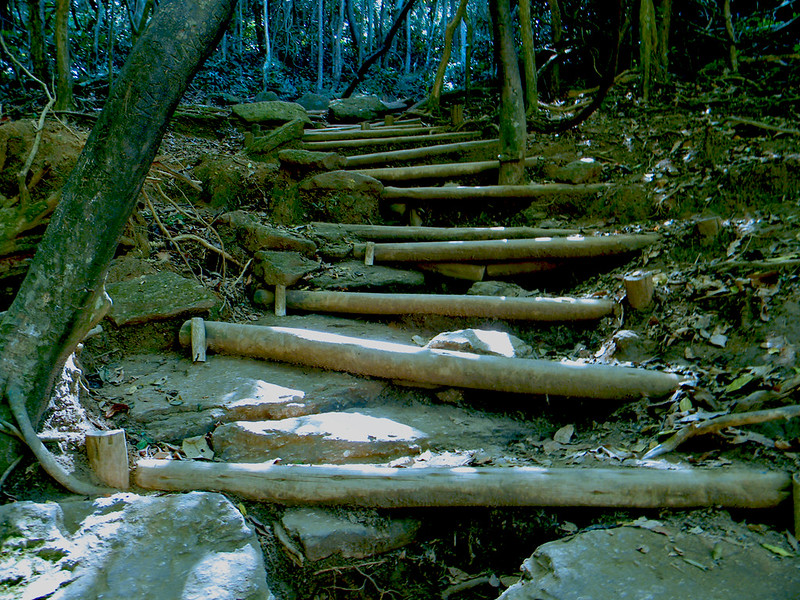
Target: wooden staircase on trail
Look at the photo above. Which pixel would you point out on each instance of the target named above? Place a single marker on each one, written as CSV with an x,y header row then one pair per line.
x,y
403,156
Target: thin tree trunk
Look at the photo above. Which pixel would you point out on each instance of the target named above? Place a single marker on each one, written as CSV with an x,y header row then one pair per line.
x,y
734,60
320,44
438,82
110,51
267,45
513,128
648,39
337,46
557,32
387,43
407,61
368,9
64,99
355,31
665,16
528,59
38,54
62,294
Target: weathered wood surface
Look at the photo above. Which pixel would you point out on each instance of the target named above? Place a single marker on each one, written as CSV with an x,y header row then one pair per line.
x,y
377,358
510,250
387,487
382,132
499,307
398,233
489,192
400,140
382,158
441,171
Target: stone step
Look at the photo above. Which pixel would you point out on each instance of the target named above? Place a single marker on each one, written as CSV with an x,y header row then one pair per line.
x,y
326,438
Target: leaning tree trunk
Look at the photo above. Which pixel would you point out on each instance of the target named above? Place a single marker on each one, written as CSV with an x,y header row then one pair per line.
x,y
63,294
438,82
513,128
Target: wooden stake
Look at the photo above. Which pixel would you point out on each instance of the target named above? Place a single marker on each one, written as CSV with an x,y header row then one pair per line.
x,y
388,120
108,457
198,340
499,307
365,126
639,290
796,501
280,300
511,250
440,367
709,228
456,115
369,254
386,487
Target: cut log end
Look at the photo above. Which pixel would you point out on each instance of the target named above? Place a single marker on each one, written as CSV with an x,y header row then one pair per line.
x,y
639,290
108,456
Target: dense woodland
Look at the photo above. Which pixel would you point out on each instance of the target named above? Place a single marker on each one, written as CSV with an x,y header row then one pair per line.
x,y
294,46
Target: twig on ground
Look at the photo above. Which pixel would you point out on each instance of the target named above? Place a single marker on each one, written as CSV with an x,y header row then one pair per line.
x,y
716,424
166,233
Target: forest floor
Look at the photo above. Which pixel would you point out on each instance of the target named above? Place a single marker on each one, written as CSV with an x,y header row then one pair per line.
x,y
712,169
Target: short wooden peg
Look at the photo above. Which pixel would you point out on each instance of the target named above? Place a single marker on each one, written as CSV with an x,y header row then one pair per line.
x,y
198,340
639,289
369,253
280,300
108,457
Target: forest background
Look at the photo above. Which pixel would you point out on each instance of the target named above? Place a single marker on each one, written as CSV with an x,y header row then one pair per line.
x,y
290,47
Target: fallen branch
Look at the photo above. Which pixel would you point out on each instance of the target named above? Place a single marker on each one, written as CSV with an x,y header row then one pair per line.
x,y
716,424
387,487
194,238
760,125
430,366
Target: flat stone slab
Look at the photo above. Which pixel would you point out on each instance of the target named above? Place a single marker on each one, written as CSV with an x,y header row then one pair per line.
x,y
355,276
170,400
281,268
254,236
274,112
662,564
157,297
326,438
126,547
323,532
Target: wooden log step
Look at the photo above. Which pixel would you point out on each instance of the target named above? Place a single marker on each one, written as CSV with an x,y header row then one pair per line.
x,y
533,191
510,250
378,486
352,134
440,171
497,307
403,233
379,158
405,140
390,360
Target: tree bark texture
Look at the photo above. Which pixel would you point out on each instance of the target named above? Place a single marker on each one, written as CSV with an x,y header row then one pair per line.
x,y
664,20
648,42
513,132
556,32
63,295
